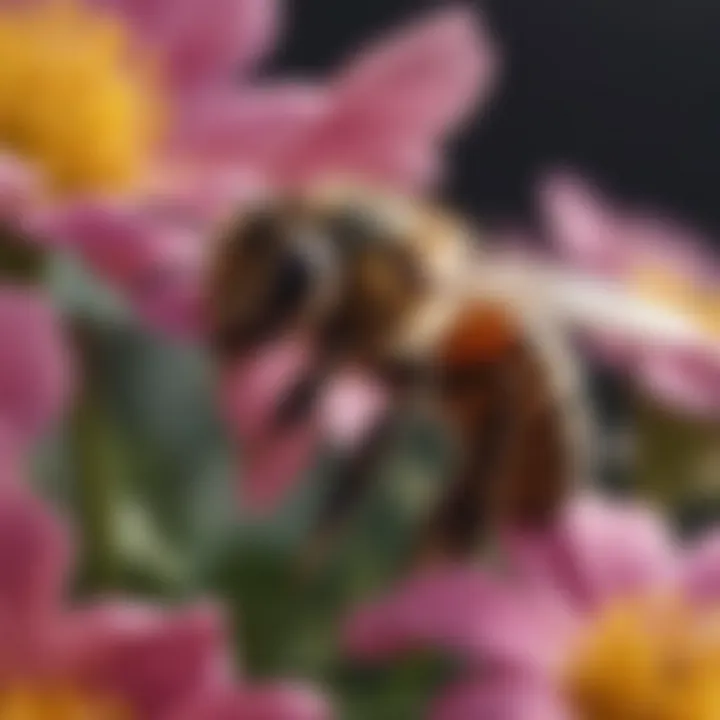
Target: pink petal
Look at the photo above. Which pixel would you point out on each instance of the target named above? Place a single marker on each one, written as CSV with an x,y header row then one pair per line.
x,y
204,196
34,562
274,460
395,103
348,409
654,241
602,239
581,224
350,152
466,611
252,389
352,405
251,394
154,659
274,702
253,127
686,380
36,373
157,267
203,42
500,699
273,470
599,550
427,77
18,186
701,571
10,456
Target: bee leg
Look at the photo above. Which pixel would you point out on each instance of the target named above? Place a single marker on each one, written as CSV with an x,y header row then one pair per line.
x,y
462,521
354,478
297,406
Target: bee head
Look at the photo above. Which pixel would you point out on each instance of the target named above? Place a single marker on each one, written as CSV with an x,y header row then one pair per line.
x,y
347,268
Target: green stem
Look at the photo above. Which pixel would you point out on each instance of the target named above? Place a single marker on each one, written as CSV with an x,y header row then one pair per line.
x,y
96,470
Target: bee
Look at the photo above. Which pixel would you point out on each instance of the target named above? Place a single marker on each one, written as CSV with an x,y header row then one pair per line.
x,y
408,293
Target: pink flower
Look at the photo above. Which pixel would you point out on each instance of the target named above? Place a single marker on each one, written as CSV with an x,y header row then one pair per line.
x,y
36,375
583,622
147,207
111,659
659,262
118,128
349,406
382,118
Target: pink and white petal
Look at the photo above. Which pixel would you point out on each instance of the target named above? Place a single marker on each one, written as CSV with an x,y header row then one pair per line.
x,y
701,570
351,406
583,228
251,127
36,368
273,702
465,611
490,698
686,380
599,550
35,557
154,659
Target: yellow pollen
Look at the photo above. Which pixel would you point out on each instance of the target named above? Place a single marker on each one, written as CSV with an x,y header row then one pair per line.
x,y
29,703
647,661
72,100
679,293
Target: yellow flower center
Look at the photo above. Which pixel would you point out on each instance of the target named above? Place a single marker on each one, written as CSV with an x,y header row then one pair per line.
x,y
72,101
29,703
677,292
647,661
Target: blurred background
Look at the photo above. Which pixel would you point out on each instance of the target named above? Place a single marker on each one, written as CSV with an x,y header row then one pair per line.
x,y
626,91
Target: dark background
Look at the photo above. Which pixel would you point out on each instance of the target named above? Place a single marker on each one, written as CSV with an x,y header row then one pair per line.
x,y
627,90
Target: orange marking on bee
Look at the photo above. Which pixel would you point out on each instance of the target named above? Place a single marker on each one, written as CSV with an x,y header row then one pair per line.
x,y
481,332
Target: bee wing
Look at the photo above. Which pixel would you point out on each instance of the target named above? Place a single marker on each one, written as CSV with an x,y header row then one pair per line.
x,y
589,303
604,306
